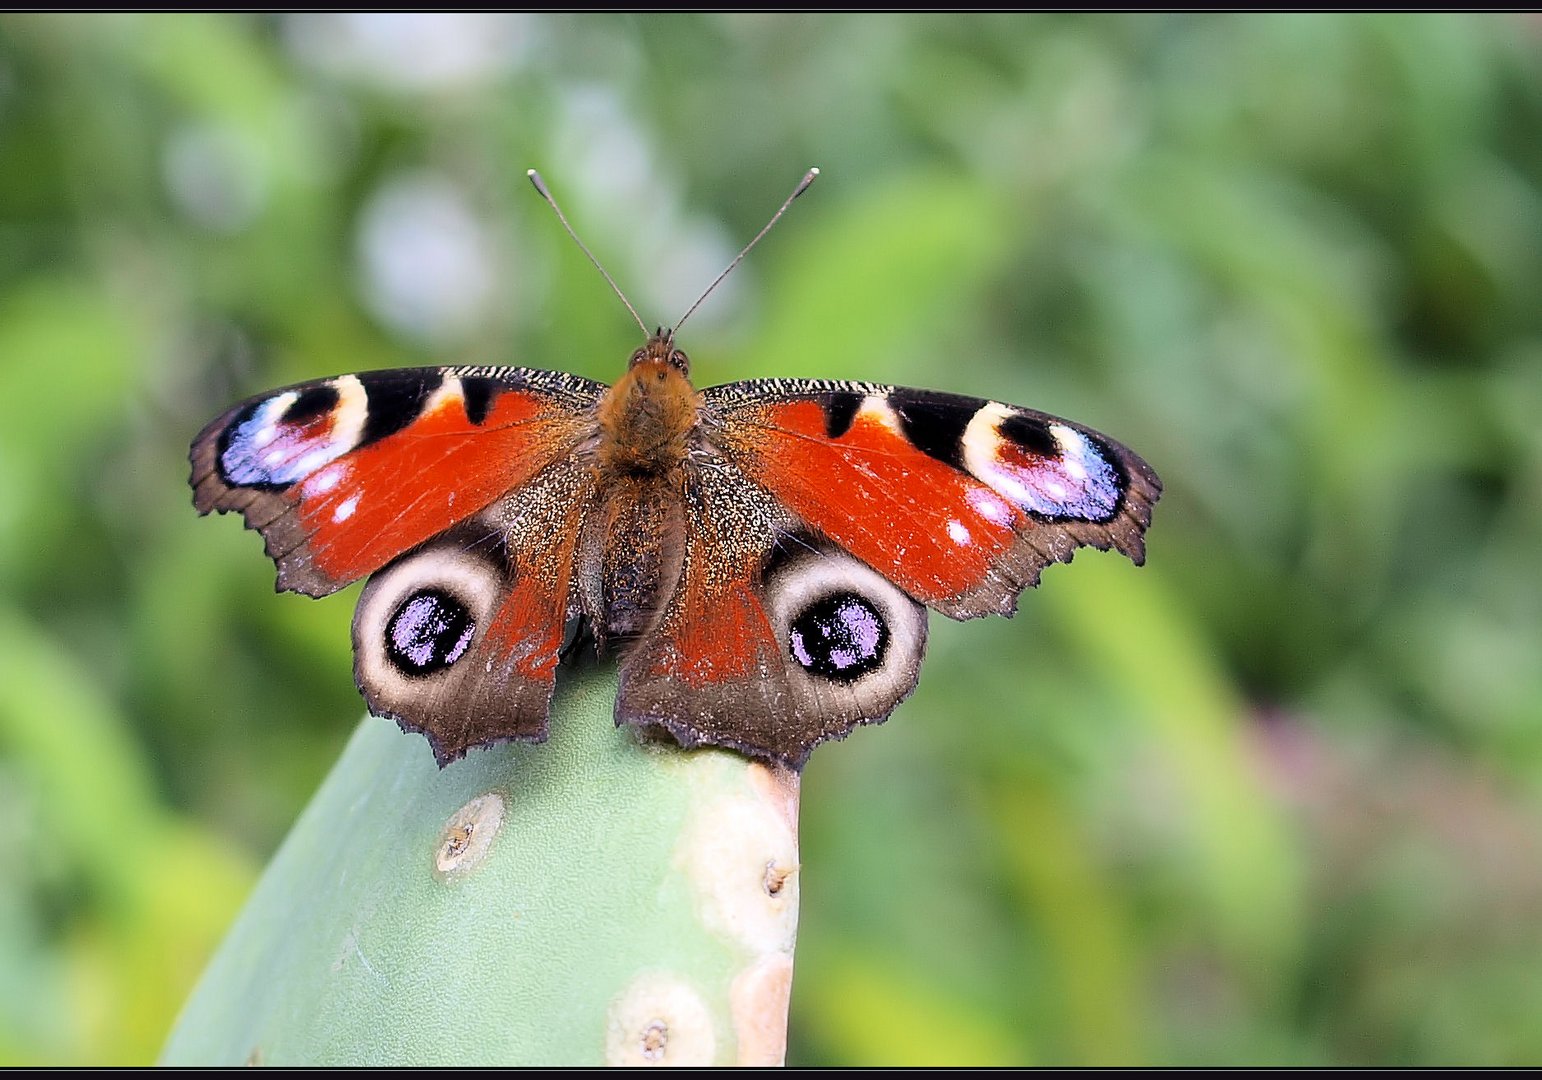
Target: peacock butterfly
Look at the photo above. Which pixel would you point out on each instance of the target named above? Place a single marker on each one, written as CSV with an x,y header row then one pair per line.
x,y
761,554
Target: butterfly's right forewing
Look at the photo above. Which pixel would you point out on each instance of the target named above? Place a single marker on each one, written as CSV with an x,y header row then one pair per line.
x,y
959,501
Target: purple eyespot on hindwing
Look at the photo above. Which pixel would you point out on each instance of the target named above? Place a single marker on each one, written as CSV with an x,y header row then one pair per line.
x,y
429,632
840,637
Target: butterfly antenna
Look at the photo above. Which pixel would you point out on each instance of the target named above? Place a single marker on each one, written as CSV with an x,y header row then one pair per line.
x,y
540,186
808,178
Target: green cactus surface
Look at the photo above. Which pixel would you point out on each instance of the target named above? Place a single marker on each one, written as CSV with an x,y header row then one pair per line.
x,y
590,900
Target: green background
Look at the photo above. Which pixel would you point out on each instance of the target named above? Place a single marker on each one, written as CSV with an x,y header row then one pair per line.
x,y
1271,799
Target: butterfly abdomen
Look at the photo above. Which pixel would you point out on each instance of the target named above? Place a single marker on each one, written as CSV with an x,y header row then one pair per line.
x,y
633,545
632,554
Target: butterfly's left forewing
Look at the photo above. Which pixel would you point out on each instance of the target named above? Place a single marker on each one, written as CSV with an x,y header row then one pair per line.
x,y
342,475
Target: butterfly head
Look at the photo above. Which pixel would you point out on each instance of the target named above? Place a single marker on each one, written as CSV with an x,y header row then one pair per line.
x,y
647,417
660,349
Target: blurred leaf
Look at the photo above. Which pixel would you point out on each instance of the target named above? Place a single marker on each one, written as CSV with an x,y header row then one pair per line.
x,y
66,364
856,295
1091,979
871,1012
1138,636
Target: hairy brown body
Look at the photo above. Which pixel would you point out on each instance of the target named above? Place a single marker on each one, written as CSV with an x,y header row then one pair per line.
x,y
633,545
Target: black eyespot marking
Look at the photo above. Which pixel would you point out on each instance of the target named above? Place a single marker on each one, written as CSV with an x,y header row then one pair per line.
x,y
841,412
478,391
1032,435
394,402
935,427
314,402
840,637
429,631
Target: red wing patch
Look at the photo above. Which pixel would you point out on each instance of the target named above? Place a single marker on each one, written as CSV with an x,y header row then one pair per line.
x,y
714,634
527,630
712,672
931,529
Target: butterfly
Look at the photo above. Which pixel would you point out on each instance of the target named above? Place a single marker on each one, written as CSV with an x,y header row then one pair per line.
x,y
760,555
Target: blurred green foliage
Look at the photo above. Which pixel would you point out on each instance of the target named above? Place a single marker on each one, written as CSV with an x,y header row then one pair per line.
x,y
1271,799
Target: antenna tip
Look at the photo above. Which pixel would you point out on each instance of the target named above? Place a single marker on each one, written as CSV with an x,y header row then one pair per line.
x,y
540,185
813,171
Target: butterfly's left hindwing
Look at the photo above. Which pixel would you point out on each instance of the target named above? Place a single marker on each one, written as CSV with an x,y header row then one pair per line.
x,y
459,639
959,501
